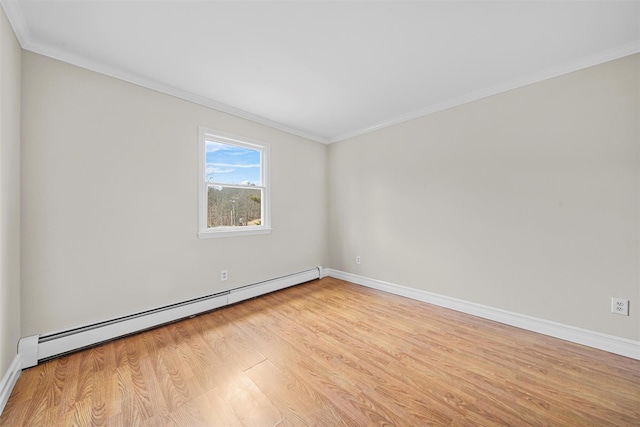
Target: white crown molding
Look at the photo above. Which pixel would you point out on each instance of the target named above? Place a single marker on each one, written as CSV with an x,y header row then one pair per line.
x,y
14,14
600,341
17,21
164,88
21,29
9,380
589,61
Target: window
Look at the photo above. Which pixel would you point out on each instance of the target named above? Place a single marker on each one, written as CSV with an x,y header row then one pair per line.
x,y
234,185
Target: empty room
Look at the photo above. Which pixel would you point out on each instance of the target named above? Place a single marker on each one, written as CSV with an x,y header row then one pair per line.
x,y
319,213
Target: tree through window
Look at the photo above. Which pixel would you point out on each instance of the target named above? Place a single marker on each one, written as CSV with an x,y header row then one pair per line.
x,y
234,196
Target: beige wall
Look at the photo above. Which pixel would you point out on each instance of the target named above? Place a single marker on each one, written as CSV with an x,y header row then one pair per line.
x,y
526,201
10,59
110,187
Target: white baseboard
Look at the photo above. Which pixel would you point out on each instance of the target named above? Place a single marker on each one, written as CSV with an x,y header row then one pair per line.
x,y
40,347
610,343
60,343
9,381
247,292
28,351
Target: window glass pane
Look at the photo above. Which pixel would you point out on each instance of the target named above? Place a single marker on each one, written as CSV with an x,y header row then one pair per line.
x,y
234,207
231,164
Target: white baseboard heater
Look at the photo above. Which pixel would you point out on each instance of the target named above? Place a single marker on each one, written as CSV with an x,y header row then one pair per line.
x,y
38,348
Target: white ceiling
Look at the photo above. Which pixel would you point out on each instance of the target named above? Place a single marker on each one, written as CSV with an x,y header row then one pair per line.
x,y
328,70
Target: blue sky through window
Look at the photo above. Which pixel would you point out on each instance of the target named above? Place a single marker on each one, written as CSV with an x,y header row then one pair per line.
x,y
231,164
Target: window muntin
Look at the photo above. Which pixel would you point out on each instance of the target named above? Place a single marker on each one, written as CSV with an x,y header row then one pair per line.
x,y
234,196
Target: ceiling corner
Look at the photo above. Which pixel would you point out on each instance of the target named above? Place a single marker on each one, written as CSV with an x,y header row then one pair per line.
x,y
17,21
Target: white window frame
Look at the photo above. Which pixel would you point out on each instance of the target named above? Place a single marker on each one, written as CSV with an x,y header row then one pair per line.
x,y
204,232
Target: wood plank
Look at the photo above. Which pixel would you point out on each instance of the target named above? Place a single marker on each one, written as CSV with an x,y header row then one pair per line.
x,y
249,403
300,402
330,353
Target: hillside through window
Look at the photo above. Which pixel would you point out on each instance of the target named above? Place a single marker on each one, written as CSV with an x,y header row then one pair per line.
x,y
234,196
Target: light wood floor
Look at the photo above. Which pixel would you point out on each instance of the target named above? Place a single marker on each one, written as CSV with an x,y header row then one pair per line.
x,y
331,353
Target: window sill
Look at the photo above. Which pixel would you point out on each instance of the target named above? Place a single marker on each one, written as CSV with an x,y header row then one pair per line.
x,y
232,232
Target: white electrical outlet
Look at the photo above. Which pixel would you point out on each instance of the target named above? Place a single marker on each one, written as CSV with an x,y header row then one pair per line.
x,y
224,275
357,259
620,306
